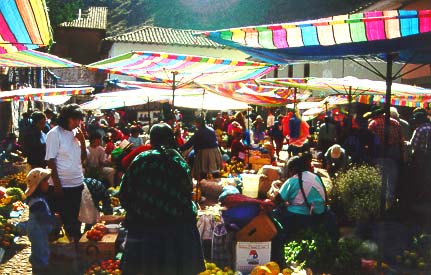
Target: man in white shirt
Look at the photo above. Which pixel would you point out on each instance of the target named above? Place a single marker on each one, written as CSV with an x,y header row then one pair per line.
x,y
65,152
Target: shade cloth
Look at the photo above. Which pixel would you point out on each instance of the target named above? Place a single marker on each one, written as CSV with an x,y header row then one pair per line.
x,y
31,58
160,67
186,98
37,93
24,24
342,85
407,32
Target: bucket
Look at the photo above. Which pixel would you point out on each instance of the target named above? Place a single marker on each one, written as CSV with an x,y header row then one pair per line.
x,y
250,185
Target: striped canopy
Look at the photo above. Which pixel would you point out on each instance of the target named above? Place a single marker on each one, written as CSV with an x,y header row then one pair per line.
x,y
37,93
247,92
160,67
407,32
342,86
31,58
406,101
24,24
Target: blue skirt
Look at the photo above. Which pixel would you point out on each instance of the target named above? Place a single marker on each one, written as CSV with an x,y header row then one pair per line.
x,y
173,249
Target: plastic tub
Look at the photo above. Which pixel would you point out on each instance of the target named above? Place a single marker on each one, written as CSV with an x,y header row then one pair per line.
x,y
250,185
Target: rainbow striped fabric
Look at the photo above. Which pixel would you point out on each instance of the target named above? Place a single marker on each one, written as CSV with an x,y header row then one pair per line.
x,y
160,67
38,93
368,33
24,24
342,86
31,58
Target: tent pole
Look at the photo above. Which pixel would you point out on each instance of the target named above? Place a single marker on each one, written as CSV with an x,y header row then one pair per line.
x,y
149,113
295,90
174,73
349,98
385,175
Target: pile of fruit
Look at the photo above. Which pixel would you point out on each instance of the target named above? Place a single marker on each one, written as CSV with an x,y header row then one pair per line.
x,y
213,269
419,255
272,268
97,232
108,267
16,180
233,168
11,199
6,233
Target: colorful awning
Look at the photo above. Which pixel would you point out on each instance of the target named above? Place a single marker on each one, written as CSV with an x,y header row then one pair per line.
x,y
24,24
407,32
161,67
31,58
250,93
37,93
342,85
406,101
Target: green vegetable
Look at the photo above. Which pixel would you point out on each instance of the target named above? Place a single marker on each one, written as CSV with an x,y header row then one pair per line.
x,y
16,193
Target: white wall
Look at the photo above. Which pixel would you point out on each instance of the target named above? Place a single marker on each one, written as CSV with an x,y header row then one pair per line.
x,y
338,69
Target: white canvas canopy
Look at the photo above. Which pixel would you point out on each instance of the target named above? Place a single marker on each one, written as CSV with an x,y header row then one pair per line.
x,y
185,98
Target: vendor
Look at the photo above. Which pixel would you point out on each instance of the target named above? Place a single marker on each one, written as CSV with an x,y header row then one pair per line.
x,y
336,160
300,197
156,190
207,153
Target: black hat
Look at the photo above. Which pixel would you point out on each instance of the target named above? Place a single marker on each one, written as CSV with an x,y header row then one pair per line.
x,y
420,117
161,134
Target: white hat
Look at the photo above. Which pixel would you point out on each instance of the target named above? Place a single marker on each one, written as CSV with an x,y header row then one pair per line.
x,y
335,151
34,178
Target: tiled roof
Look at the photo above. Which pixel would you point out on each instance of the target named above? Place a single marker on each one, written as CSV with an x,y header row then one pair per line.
x,y
165,36
93,18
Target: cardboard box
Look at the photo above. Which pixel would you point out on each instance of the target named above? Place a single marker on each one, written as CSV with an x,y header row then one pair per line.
x,y
250,254
100,250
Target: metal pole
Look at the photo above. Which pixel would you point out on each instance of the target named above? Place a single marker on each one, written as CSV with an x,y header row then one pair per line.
x,y
295,90
385,155
349,98
174,86
149,113
386,128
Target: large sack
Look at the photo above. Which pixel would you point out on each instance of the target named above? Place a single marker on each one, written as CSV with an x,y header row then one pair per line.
x,y
272,172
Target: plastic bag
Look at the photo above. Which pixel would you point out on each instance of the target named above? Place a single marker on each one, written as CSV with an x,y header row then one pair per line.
x,y
88,213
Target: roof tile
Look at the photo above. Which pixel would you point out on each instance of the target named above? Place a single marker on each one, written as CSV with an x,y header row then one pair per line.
x,y
164,36
93,18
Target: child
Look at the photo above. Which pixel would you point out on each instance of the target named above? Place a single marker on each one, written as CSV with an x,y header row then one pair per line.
x,y
134,138
41,221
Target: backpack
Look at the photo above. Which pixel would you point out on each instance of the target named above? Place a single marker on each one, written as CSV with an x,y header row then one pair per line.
x,y
294,127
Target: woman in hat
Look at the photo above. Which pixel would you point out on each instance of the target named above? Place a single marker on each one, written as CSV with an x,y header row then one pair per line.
x,y
207,153
65,152
336,160
41,220
156,193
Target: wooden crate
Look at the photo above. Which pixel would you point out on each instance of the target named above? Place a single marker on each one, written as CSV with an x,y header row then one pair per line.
x,y
100,250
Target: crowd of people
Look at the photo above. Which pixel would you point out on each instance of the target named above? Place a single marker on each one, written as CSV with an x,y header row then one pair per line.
x,y
70,151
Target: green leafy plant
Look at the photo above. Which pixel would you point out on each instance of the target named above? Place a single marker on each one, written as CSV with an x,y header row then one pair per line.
x,y
313,249
357,191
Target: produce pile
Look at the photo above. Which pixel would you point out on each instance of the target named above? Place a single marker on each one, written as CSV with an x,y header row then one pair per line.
x,y
213,269
15,180
7,231
107,267
232,168
419,255
11,200
97,232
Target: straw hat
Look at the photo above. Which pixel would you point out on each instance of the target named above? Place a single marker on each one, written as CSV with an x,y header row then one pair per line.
x,y
335,151
98,113
34,178
125,145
